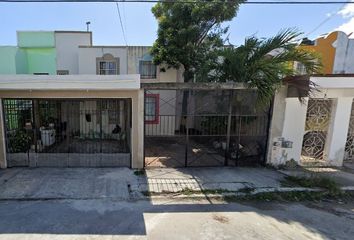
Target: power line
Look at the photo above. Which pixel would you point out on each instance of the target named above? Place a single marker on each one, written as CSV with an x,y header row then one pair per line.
x,y
121,24
326,19
191,1
124,20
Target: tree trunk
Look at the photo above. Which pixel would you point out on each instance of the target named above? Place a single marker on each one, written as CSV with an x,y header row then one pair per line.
x,y
188,77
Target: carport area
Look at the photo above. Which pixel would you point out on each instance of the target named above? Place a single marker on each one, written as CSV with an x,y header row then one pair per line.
x,y
71,121
75,132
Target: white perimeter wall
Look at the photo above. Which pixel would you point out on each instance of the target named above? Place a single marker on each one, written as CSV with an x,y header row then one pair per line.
x,y
289,117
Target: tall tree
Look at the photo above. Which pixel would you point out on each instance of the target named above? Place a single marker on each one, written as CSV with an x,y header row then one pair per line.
x,y
265,64
187,32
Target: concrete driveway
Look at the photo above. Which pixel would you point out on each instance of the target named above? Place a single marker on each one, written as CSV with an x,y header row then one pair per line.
x,y
66,183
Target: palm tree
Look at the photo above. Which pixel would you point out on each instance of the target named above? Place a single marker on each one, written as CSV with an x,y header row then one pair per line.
x,y
266,64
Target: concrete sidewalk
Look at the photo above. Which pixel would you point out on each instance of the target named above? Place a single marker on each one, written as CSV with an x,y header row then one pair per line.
x,y
124,184
160,180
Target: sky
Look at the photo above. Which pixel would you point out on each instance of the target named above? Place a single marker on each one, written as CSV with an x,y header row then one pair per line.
x,y
140,25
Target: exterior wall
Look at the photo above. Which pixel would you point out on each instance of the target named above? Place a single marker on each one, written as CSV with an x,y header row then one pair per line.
x,y
137,133
166,124
292,130
35,54
337,135
288,121
21,62
8,60
35,39
336,51
41,60
325,47
67,46
12,60
138,53
277,121
88,55
341,51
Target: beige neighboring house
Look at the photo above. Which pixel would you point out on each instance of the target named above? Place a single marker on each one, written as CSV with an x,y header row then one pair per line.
x,y
160,106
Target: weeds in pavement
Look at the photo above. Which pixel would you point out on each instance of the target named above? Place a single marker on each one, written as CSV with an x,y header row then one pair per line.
x,y
313,182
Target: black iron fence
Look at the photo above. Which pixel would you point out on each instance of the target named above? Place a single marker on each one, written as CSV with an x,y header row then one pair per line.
x,y
204,128
67,133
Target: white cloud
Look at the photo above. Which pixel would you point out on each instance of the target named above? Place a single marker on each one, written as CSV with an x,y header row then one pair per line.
x,y
347,12
347,27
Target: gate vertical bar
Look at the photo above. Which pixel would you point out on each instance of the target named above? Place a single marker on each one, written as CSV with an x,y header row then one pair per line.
x,y
68,116
187,129
36,125
228,133
144,154
100,104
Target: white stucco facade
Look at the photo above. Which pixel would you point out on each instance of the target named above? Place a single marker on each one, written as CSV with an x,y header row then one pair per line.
x,y
89,54
67,46
344,57
289,118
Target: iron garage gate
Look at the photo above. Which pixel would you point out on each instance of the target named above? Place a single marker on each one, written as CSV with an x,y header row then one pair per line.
x,y
67,133
204,128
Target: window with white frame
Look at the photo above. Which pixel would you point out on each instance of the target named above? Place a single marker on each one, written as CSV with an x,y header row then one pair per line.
x,y
147,69
108,68
107,65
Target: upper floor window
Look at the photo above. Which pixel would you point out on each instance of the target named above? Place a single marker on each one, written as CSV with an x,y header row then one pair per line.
x,y
107,65
147,69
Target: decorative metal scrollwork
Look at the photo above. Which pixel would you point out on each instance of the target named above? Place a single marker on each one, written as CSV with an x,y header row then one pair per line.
x,y
349,146
317,122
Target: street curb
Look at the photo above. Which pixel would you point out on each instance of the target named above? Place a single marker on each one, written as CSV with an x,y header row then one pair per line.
x,y
177,195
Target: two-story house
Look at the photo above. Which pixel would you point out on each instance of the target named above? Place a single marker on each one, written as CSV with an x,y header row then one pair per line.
x,y
67,102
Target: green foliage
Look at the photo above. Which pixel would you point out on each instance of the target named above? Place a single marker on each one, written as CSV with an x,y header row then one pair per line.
x,y
19,142
313,182
264,63
214,124
139,172
188,33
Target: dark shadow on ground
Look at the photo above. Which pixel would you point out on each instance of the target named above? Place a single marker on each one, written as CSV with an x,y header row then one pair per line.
x,y
112,216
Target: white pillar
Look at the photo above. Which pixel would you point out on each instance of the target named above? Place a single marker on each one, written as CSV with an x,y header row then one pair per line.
x,y
138,130
294,127
338,130
276,122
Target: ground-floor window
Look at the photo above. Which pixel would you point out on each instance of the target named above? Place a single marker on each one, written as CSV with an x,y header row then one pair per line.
x,y
152,108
